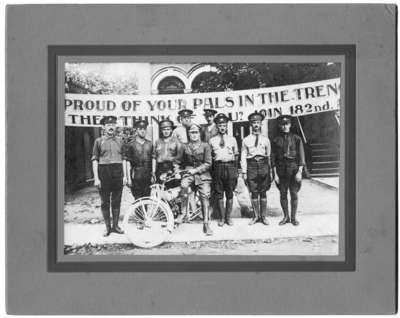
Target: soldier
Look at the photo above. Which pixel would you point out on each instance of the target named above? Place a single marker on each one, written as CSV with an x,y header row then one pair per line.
x,y
288,162
128,135
109,172
165,151
139,162
209,130
255,162
225,173
182,132
196,159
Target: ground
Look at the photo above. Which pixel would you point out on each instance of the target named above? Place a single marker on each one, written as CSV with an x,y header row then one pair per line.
x,y
316,235
280,246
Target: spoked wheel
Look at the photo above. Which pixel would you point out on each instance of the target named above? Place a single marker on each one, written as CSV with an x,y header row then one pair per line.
x,y
149,222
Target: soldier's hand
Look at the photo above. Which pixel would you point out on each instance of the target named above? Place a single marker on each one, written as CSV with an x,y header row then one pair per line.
x,y
153,178
244,176
192,171
124,181
298,176
277,179
97,183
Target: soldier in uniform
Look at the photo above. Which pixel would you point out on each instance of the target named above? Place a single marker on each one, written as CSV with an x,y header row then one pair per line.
x,y
109,172
166,151
139,154
225,173
182,132
196,159
209,130
288,162
255,162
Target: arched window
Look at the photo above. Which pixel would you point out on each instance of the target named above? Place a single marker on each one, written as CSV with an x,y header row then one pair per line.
x,y
171,85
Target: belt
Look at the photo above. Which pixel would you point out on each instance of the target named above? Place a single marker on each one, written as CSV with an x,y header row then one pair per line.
x,y
257,159
224,162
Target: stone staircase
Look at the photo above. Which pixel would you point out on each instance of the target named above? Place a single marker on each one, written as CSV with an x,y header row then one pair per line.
x,y
325,160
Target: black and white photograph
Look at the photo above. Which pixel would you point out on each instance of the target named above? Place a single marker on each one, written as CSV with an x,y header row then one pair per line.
x,y
202,158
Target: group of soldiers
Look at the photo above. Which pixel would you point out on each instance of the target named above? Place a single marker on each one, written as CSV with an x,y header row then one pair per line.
x,y
210,158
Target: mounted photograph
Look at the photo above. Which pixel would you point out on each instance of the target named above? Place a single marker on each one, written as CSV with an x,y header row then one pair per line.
x,y
214,158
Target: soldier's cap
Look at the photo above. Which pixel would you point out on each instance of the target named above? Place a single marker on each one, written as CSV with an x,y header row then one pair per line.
x,y
282,119
221,118
166,123
194,127
108,120
209,111
140,124
255,116
185,113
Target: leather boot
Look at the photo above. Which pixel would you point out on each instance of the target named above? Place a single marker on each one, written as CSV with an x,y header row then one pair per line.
x,y
107,221
293,219
207,229
229,204
184,207
263,211
285,209
116,228
256,209
221,208
205,206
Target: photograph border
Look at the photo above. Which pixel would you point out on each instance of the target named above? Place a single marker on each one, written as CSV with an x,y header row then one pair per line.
x,y
349,53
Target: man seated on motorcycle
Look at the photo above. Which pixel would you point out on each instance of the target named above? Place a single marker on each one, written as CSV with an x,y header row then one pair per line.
x,y
196,160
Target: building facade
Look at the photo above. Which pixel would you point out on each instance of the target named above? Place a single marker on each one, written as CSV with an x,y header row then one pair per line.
x,y
320,132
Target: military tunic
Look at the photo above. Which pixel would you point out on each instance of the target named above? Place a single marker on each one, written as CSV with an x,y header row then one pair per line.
x,y
197,156
108,152
166,152
287,157
140,156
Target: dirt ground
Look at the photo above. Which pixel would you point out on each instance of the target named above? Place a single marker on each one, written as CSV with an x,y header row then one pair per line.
x,y
83,207
282,246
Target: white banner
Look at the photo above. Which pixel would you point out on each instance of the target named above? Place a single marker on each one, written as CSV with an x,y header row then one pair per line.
x,y
296,100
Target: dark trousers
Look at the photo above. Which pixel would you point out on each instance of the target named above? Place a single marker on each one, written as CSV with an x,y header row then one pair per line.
x,y
258,176
287,182
141,181
110,176
225,175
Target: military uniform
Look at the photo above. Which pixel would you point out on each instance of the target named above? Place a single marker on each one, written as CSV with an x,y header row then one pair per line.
x,y
255,163
224,170
139,152
196,157
209,130
181,133
107,152
287,159
166,152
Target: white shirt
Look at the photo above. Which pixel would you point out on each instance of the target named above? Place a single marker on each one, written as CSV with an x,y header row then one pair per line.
x,y
249,150
226,153
180,133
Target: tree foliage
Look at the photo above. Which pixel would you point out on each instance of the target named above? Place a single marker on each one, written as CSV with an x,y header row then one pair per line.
x,y
80,82
237,76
